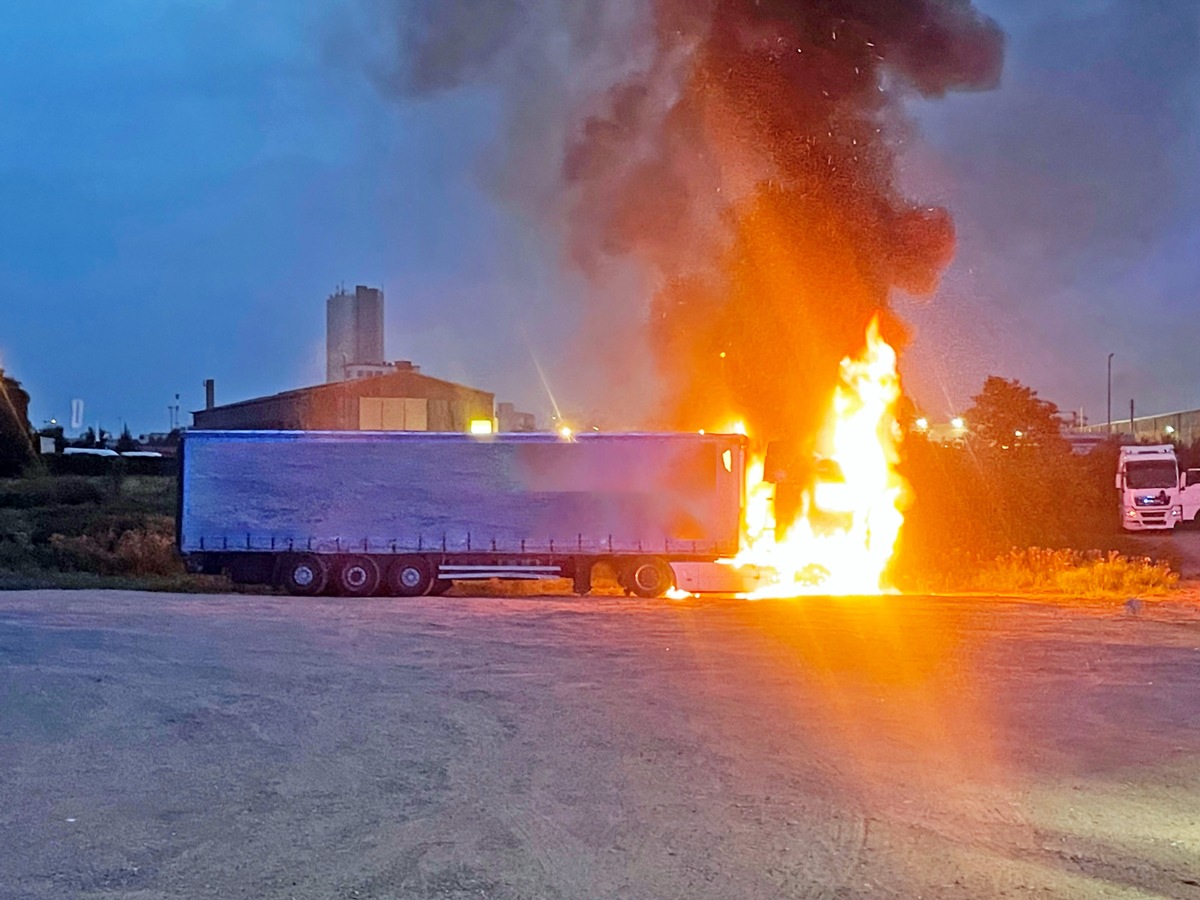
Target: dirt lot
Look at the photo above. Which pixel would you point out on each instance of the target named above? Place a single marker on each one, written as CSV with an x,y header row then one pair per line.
x,y
1181,545
159,746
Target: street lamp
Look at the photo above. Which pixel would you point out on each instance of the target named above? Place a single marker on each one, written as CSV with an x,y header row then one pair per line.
x,y
1108,426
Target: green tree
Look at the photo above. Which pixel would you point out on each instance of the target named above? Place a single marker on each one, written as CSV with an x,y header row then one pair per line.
x,y
16,441
126,442
1008,414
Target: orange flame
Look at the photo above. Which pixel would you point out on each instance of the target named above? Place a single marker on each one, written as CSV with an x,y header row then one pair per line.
x,y
845,534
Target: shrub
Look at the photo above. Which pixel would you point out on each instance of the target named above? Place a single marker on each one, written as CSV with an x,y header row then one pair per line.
x,y
121,548
1081,574
16,554
971,504
30,493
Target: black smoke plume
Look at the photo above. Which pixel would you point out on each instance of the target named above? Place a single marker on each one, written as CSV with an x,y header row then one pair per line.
x,y
744,153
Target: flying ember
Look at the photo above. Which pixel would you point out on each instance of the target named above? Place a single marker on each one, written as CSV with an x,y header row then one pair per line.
x,y
850,510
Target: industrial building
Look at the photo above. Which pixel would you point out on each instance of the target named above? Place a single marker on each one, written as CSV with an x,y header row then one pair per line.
x,y
402,400
510,419
363,392
1181,427
354,334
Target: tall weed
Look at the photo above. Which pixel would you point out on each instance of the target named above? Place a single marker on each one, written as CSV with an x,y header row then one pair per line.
x,y
148,549
1091,574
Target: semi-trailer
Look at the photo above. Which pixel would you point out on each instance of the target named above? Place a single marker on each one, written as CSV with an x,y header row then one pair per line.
x,y
410,513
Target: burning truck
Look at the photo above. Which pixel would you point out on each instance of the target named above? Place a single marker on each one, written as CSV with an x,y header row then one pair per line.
x,y
408,514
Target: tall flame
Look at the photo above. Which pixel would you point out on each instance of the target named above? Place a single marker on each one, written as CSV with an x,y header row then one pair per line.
x,y
850,515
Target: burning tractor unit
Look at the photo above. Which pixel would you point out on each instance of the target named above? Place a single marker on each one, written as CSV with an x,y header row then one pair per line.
x,y
828,523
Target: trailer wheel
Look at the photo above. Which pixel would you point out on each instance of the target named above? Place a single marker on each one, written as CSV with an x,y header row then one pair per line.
x,y
409,576
305,575
649,577
357,576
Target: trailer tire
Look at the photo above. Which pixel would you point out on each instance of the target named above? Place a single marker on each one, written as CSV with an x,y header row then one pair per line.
x,y
649,576
305,575
356,576
409,576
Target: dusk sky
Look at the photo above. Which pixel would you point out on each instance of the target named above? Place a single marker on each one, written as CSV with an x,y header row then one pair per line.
x,y
186,182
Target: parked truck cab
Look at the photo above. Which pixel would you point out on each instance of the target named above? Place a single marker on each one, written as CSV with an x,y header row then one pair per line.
x,y
1151,491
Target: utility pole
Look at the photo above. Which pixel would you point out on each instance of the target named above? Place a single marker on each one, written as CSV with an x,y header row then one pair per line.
x,y
1108,425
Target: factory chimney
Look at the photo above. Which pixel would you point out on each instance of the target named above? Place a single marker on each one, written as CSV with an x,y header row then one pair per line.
x,y
210,393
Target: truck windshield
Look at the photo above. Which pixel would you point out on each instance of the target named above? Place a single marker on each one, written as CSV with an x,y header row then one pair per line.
x,y
1157,473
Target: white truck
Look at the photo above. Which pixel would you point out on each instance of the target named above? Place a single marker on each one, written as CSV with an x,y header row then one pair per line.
x,y
1154,494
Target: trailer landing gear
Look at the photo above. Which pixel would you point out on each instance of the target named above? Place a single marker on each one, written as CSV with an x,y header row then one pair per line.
x,y
582,577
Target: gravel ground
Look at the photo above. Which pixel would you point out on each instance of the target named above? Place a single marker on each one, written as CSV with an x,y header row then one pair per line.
x,y
1183,543
156,746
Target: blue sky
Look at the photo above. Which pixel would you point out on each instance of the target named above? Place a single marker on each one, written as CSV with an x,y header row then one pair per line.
x,y
185,182
1076,192
184,186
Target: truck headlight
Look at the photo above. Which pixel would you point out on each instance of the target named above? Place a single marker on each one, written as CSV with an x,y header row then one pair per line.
x,y
1176,512
1131,513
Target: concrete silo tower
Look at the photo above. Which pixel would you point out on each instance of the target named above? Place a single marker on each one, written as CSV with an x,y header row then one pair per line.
x,y
353,331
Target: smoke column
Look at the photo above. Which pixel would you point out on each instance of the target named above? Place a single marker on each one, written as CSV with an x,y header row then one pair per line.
x,y
743,154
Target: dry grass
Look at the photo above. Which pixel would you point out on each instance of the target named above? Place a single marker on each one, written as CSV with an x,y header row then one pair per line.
x,y
148,549
1090,574
68,531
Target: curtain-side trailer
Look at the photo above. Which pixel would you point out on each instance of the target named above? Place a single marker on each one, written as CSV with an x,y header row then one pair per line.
x,y
408,513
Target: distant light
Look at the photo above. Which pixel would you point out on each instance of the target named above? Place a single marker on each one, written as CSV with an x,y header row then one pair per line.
x,y
481,426
921,423
740,428
958,422
565,432
701,431
1019,433
1170,429
722,354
